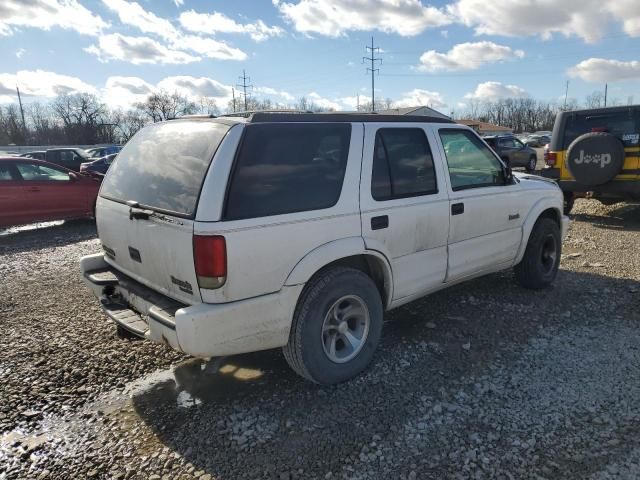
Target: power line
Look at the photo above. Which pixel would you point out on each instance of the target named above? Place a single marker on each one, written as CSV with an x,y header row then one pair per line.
x,y
244,87
373,71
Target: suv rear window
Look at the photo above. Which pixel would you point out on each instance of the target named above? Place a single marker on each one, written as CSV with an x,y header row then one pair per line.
x,y
163,165
286,168
622,124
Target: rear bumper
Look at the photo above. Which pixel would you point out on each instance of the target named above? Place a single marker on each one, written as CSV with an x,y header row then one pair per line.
x,y
202,330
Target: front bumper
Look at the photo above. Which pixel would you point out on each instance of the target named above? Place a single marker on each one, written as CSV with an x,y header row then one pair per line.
x,y
202,330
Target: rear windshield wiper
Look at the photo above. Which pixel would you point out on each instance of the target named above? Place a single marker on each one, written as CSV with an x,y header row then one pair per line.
x,y
138,213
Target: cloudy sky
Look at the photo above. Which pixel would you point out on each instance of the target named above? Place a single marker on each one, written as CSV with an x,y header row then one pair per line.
x,y
444,53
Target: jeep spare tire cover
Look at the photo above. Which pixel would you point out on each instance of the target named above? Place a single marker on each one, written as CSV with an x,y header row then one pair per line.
x,y
595,158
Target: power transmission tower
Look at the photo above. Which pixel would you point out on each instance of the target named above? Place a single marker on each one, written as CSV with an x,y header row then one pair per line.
x,y
244,87
373,59
233,94
566,92
605,94
24,124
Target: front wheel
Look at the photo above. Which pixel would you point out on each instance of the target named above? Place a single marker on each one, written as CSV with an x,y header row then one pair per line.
x,y
336,326
541,260
531,165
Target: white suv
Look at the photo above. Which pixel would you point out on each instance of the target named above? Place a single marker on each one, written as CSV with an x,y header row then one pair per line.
x,y
229,235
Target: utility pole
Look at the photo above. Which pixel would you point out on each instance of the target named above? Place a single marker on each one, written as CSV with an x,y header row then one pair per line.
x,y
233,93
566,92
373,59
244,86
357,102
24,124
605,94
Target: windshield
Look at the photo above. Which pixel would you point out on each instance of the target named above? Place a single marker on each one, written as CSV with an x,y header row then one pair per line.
x,y
163,165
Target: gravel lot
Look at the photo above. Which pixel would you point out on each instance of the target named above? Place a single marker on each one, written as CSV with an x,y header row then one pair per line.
x,y
484,380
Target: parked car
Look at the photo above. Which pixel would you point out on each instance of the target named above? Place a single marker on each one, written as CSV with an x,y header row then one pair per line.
x,y
228,235
69,158
513,152
38,155
595,151
537,140
99,166
99,152
35,191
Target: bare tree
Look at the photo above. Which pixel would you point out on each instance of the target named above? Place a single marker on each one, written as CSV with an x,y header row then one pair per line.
x,y
166,106
81,115
595,100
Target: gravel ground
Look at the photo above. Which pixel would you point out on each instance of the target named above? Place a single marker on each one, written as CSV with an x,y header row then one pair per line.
x,y
484,380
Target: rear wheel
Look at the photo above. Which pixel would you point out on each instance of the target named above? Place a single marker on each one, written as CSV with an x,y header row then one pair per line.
x,y
541,260
531,166
336,327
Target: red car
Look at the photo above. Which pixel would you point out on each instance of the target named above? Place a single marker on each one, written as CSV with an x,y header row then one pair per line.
x,y
37,191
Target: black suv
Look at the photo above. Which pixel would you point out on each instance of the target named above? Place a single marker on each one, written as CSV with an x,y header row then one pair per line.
x,y
513,152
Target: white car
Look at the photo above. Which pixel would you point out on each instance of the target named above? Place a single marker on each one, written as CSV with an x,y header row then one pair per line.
x,y
229,235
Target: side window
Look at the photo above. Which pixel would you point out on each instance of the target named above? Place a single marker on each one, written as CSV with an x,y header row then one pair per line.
x,y
34,172
471,163
286,168
402,164
623,124
6,174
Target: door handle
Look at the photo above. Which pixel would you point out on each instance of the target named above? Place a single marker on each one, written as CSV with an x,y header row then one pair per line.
x,y
378,223
457,208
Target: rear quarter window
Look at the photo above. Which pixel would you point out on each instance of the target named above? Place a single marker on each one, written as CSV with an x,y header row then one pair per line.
x,y
286,168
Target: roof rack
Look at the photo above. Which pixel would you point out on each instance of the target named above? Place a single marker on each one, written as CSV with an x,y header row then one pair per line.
x,y
284,116
249,113
195,115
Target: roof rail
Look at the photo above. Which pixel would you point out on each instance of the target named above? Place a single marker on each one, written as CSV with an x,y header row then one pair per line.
x,y
249,113
195,115
280,116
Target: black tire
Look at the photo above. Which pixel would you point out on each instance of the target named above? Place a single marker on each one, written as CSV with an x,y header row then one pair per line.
x,y
569,199
305,352
531,165
538,269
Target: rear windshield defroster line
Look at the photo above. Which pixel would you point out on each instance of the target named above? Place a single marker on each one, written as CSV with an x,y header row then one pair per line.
x,y
163,166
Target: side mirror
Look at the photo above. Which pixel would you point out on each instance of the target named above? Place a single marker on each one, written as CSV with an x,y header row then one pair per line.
x,y
508,175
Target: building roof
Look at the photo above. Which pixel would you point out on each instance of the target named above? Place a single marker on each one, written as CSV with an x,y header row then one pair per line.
x,y
484,126
413,110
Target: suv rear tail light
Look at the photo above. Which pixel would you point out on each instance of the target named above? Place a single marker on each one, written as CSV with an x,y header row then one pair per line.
x,y
550,158
210,260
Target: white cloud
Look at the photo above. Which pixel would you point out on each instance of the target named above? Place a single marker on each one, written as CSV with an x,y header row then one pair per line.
x,y
131,13
420,97
124,92
274,92
218,22
209,47
178,3
336,17
602,70
137,50
491,91
20,52
195,87
351,103
323,102
587,19
467,56
148,50
46,14
40,83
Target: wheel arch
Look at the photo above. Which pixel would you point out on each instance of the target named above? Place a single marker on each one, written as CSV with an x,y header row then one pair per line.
x,y
348,252
546,207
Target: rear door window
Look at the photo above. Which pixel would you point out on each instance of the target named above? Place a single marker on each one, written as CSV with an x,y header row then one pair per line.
x,y
6,172
286,168
402,164
623,124
35,172
163,166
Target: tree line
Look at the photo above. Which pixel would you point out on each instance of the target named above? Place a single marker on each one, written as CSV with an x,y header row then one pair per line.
x,y
83,119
